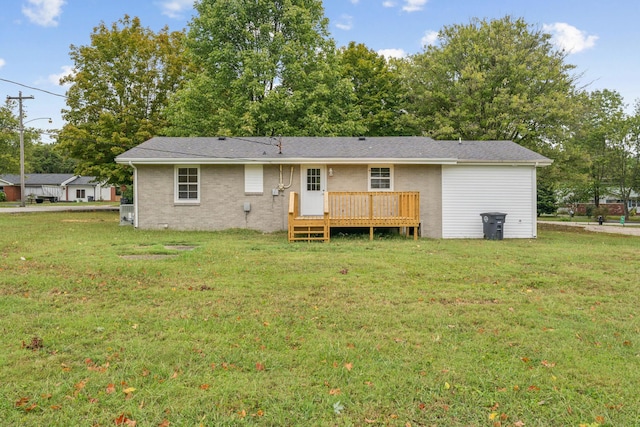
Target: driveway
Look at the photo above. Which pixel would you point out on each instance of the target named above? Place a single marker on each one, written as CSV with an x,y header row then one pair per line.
x,y
615,228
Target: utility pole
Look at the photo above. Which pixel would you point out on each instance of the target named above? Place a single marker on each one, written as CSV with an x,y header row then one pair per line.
x,y
20,98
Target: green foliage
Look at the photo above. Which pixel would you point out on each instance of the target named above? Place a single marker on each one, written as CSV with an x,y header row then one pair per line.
x,y
10,139
547,200
3,196
378,90
493,80
598,211
264,68
46,158
105,322
118,94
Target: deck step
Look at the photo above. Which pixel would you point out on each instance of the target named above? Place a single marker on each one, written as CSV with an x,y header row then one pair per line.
x,y
308,232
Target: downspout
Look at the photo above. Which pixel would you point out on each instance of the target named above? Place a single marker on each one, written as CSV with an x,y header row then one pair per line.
x,y
135,195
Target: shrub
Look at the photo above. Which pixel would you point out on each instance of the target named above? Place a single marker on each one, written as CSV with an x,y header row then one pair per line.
x,y
3,196
599,211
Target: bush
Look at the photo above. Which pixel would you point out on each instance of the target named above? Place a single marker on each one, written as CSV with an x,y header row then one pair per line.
x,y
3,196
599,211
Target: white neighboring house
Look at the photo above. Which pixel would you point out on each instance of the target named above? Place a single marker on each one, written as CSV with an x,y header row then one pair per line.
x,y
62,187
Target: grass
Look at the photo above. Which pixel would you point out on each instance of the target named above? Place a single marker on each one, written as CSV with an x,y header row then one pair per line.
x,y
107,325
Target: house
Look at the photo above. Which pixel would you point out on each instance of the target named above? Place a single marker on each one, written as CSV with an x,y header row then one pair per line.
x,y
309,185
57,187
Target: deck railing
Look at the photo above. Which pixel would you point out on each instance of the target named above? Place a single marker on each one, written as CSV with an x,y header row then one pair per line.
x,y
362,209
378,208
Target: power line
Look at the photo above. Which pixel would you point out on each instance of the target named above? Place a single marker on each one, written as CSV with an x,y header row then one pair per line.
x,y
34,88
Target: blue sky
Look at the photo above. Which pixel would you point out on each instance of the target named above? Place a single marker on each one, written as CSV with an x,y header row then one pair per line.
x,y
602,37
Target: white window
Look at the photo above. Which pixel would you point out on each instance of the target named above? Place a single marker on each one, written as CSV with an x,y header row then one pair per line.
x,y
380,178
253,179
80,194
187,189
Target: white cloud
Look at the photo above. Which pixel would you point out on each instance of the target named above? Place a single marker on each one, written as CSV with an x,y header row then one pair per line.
x,y
392,53
569,38
355,1
430,37
175,8
345,23
43,12
413,5
389,3
2,62
55,78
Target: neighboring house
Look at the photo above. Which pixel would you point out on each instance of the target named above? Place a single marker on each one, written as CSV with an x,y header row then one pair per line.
x,y
57,186
273,184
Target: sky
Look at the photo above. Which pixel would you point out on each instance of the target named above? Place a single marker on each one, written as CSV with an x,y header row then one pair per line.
x,y
602,38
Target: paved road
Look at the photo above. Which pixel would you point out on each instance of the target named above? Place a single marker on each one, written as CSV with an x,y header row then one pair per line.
x,y
616,228
60,207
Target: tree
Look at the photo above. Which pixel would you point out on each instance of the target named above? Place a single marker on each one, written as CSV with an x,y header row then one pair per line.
x,y
265,67
493,80
600,124
378,90
118,95
47,158
10,139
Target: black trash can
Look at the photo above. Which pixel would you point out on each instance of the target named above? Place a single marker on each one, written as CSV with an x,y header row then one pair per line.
x,y
493,225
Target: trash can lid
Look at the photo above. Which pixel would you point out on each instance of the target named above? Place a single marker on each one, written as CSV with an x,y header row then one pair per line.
x,y
493,214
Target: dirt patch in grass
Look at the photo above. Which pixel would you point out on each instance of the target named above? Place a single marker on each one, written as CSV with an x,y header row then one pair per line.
x,y
148,256
180,247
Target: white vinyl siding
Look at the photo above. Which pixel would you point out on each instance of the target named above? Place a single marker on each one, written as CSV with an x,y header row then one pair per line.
x,y
253,179
468,191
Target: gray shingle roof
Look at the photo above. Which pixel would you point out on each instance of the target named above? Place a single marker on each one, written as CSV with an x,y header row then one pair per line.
x,y
343,149
48,179
38,178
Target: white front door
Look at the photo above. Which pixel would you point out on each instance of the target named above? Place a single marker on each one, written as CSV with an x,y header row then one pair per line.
x,y
313,185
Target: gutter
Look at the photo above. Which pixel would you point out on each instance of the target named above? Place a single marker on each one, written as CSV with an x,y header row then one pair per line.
x,y
135,195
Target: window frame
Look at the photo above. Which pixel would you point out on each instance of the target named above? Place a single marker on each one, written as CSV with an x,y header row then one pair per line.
x,y
253,179
81,193
176,185
370,177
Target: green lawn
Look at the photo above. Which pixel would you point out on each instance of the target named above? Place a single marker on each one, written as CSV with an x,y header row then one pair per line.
x,y
107,325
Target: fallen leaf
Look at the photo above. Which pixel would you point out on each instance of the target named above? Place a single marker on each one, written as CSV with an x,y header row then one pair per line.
x,y
129,390
259,366
123,420
204,387
22,401
56,407
348,366
493,415
164,423
548,364
334,391
111,388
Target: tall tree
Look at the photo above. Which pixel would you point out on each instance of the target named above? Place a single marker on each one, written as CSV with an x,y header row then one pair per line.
x,y
377,87
265,67
119,92
602,126
499,79
47,158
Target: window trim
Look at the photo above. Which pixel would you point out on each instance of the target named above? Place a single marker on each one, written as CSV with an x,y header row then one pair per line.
x,y
369,177
176,193
253,180
81,193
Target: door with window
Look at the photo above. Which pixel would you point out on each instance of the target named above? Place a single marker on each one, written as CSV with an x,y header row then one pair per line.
x,y
313,186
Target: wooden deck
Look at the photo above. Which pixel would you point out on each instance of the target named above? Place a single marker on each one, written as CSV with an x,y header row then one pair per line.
x,y
356,209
